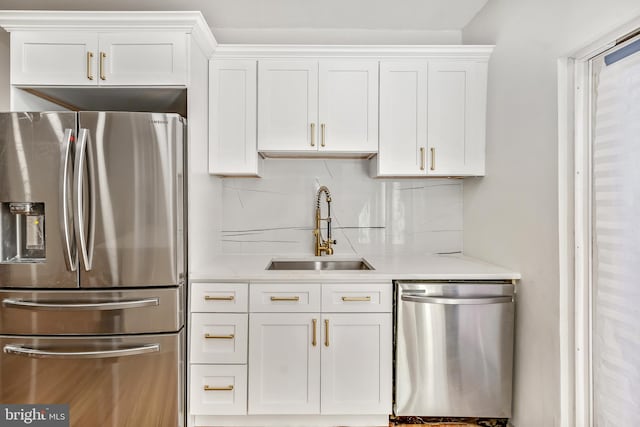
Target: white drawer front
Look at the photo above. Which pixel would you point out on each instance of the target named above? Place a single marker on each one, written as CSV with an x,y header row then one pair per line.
x,y
357,298
291,297
218,338
218,390
219,297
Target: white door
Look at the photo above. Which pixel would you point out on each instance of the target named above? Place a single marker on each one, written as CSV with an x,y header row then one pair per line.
x,y
348,106
232,124
284,361
287,105
455,118
54,58
143,59
356,363
403,118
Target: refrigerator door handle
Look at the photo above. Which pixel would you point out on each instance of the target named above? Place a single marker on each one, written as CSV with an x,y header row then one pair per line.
x,y
79,306
70,255
85,240
88,354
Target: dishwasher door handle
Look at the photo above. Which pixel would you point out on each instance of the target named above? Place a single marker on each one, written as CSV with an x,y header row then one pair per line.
x,y
456,301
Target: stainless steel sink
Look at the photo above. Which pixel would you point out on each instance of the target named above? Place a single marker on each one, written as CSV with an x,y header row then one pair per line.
x,y
338,264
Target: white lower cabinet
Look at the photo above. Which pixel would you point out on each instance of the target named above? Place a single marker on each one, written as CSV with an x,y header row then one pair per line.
x,y
218,390
323,363
356,364
284,360
317,353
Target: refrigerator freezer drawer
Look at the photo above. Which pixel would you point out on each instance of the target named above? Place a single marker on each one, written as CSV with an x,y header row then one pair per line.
x,y
67,312
134,380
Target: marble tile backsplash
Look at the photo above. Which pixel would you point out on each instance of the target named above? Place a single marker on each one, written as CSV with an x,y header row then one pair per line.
x,y
275,214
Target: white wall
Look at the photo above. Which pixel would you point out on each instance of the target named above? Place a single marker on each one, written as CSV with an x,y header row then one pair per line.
x,y
511,215
4,71
275,214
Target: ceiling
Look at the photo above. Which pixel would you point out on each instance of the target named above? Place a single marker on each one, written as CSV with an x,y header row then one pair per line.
x,y
432,15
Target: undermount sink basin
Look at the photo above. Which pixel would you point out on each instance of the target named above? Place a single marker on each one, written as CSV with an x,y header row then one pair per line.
x,y
339,264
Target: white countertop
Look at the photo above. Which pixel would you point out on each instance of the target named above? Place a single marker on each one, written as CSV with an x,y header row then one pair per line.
x,y
387,267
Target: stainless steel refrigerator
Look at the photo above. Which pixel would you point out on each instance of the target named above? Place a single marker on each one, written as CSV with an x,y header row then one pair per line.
x,y
92,265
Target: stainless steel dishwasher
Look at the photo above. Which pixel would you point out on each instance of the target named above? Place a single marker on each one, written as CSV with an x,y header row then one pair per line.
x,y
453,348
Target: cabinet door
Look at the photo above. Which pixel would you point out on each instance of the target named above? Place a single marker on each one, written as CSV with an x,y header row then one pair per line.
x,y
287,105
456,114
54,58
356,364
284,360
403,118
143,59
348,106
232,129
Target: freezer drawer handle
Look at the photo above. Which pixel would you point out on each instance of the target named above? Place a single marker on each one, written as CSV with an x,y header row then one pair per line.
x,y
73,306
457,301
45,354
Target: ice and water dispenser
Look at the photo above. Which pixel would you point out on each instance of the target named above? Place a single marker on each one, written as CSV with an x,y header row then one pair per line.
x,y
22,232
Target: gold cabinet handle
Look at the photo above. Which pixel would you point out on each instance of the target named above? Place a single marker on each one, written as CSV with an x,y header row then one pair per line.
x,y
89,61
422,161
225,298
102,57
313,134
296,298
209,388
219,337
314,341
322,132
326,332
350,299
433,159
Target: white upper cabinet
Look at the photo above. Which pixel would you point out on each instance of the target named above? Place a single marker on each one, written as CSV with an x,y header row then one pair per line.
x,y
403,118
432,118
54,58
310,106
83,58
456,118
287,105
348,106
143,59
232,127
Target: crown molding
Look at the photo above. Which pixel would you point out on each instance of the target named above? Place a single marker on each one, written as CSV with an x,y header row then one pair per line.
x,y
479,52
43,20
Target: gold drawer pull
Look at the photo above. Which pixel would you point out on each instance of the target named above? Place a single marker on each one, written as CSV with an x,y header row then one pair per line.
x,y
210,298
102,57
220,337
433,159
422,158
326,332
89,59
322,134
313,134
296,298
349,299
314,342
209,388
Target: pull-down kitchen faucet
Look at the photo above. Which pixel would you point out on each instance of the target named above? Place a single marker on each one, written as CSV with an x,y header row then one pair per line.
x,y
323,245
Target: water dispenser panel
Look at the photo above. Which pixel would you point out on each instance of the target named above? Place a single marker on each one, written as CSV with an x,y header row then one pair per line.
x,y
22,232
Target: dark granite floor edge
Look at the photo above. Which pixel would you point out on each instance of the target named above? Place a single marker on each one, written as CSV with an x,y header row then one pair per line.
x,y
483,422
